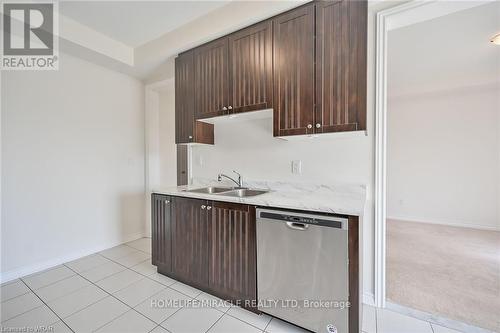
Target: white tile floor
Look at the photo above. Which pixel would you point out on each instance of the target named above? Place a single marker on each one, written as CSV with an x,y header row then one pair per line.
x,y
118,290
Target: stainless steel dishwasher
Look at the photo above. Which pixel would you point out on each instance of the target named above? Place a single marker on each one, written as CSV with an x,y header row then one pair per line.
x,y
302,269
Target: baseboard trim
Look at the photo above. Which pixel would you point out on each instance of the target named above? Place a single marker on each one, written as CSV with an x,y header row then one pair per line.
x,y
369,299
435,319
451,224
34,268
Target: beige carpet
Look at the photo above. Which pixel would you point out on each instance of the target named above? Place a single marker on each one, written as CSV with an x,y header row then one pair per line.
x,y
448,271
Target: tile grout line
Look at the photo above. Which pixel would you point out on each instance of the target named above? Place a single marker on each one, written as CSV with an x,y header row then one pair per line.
x,y
246,321
48,307
133,248
109,294
6,300
21,279
93,283
223,314
6,283
36,307
148,276
130,308
46,271
29,292
169,287
74,291
154,328
269,323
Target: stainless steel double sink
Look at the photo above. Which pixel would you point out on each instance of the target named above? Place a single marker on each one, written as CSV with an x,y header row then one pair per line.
x,y
229,191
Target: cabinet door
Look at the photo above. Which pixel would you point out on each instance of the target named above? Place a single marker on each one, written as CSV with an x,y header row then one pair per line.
x,y
190,241
161,232
294,72
232,267
250,68
184,103
211,78
340,66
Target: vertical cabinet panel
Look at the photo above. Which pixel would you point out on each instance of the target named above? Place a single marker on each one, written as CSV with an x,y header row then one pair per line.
x,y
232,265
184,103
294,72
190,241
250,68
211,78
182,165
340,66
161,241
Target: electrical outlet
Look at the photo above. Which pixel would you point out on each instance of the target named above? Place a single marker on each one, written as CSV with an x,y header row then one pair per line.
x,y
297,167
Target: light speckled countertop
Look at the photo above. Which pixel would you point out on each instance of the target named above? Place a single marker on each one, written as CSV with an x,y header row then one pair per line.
x,y
337,199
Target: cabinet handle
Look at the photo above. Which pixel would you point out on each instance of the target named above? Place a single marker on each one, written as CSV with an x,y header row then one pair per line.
x,y
167,201
309,126
224,108
190,137
203,206
318,125
209,207
229,107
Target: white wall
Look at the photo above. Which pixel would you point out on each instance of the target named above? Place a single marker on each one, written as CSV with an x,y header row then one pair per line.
x,y
249,147
443,157
168,149
72,164
444,120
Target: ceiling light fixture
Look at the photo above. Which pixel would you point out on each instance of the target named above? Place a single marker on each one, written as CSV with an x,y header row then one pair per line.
x,y
496,39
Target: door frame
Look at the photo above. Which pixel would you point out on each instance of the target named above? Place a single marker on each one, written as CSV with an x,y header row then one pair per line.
x,y
399,16
152,144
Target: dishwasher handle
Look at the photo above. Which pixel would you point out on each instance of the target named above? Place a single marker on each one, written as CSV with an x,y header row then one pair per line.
x,y
297,226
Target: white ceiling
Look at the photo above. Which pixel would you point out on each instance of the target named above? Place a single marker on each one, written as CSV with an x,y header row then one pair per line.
x,y
447,52
136,22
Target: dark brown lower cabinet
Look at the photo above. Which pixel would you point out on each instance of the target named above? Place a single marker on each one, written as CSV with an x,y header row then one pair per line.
x,y
161,231
207,244
232,273
190,226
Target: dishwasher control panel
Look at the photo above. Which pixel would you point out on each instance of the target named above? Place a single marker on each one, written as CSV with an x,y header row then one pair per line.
x,y
325,221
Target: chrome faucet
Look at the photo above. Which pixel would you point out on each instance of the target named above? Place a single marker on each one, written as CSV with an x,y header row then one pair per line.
x,y
238,182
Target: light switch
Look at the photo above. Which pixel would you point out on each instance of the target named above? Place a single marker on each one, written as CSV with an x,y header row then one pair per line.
x,y
297,167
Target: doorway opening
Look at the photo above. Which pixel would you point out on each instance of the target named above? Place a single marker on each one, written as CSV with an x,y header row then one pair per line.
x,y
439,219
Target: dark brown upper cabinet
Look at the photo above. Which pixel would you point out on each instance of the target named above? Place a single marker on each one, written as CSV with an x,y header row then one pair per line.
x,y
340,66
308,64
190,241
211,79
187,130
294,72
233,254
250,68
320,68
